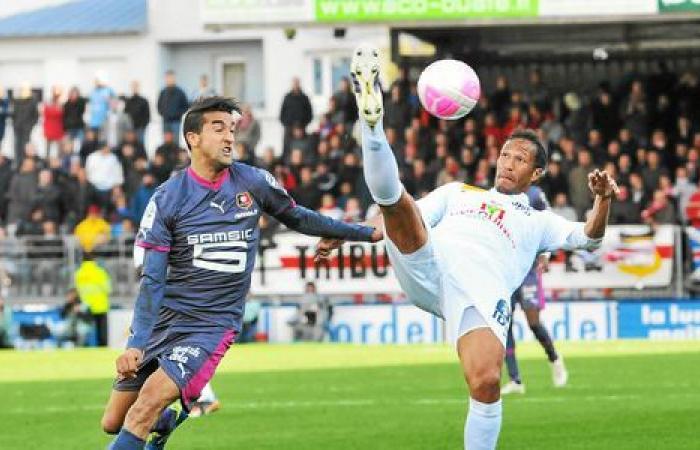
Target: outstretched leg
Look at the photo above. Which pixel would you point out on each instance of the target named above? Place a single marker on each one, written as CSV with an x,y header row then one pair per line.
x,y
402,220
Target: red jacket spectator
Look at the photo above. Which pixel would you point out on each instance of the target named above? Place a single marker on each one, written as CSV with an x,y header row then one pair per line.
x,y
692,211
53,121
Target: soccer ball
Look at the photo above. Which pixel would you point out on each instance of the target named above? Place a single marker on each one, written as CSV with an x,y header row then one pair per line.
x,y
448,89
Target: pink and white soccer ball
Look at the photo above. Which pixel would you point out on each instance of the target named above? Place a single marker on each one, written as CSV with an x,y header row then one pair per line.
x,y
448,89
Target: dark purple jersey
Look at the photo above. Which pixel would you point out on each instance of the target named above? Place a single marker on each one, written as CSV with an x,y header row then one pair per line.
x,y
210,233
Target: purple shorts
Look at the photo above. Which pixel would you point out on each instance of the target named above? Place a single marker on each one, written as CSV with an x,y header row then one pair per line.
x,y
189,358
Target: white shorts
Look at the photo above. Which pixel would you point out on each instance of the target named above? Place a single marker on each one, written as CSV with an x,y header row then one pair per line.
x,y
421,277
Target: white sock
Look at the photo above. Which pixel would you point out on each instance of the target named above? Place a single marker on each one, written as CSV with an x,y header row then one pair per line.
x,y
483,425
380,168
207,394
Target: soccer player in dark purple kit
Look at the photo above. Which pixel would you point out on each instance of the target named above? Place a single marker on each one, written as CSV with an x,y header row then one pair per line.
x,y
200,236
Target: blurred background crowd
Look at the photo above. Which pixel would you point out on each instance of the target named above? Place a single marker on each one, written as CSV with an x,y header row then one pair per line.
x,y
96,174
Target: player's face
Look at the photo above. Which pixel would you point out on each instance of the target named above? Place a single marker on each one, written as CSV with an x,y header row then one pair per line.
x,y
217,138
515,168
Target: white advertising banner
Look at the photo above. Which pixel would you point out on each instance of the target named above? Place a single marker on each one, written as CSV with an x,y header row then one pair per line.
x,y
406,324
632,256
578,8
254,12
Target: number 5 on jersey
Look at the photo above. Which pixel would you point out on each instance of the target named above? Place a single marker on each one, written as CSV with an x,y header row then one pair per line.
x,y
231,261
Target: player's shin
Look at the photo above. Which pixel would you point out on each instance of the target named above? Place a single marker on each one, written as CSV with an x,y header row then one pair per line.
x,y
380,168
125,440
483,425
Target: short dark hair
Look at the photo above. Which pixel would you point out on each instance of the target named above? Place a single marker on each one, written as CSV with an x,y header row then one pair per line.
x,y
194,117
541,155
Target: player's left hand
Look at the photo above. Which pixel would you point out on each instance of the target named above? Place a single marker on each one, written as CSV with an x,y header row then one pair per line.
x,y
325,247
128,363
601,183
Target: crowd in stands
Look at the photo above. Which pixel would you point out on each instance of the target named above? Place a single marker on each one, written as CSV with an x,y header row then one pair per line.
x,y
97,176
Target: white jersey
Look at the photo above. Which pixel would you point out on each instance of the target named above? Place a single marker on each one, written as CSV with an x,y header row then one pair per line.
x,y
484,243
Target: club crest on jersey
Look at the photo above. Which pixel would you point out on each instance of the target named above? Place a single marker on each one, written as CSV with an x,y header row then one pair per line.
x,y
502,313
244,200
494,211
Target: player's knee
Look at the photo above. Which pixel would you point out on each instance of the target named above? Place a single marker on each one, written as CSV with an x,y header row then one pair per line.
x,y
111,424
485,385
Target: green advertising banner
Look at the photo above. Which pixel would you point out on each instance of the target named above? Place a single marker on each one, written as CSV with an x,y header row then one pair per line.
x,y
388,10
666,6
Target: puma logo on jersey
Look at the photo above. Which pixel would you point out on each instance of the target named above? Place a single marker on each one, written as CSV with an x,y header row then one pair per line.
x,y
219,207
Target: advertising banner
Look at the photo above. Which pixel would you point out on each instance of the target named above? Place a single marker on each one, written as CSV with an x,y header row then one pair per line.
x,y
671,6
659,320
631,257
406,324
254,12
412,10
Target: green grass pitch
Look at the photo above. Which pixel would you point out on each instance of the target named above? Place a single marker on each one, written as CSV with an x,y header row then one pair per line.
x,y
622,395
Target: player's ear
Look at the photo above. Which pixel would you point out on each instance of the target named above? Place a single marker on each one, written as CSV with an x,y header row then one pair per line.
x,y
192,138
536,174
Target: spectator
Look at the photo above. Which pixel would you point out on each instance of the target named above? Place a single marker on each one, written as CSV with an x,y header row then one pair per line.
x,y
554,182
353,210
625,211
73,112
306,193
451,172
53,122
397,113
660,211
131,138
139,111
88,146
5,180
329,207
21,193
32,225
296,111
104,172
203,89
168,151
500,99
312,317
604,114
24,118
94,286
93,230
77,321
160,169
5,324
99,102
577,121
345,102
4,112
561,207
143,195
117,123
635,112
251,313
652,172
81,193
172,104
683,190
578,184
537,92
248,129
47,196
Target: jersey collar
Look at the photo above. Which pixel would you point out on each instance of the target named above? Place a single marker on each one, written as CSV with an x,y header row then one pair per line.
x,y
213,185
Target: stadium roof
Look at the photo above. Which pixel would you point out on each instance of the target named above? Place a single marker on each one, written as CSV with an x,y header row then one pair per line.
x,y
76,18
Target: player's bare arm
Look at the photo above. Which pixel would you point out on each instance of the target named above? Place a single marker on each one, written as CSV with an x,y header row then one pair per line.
x,y
325,246
604,188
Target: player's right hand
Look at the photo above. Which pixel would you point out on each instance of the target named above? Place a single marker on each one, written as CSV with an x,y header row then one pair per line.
x,y
128,363
325,247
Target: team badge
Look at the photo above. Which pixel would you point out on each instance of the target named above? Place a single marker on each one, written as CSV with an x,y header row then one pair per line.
x,y
244,200
502,312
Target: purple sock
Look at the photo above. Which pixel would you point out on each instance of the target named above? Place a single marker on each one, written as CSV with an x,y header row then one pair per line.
x,y
127,441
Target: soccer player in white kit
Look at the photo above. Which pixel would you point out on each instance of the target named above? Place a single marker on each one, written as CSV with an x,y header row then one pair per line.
x,y
460,252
